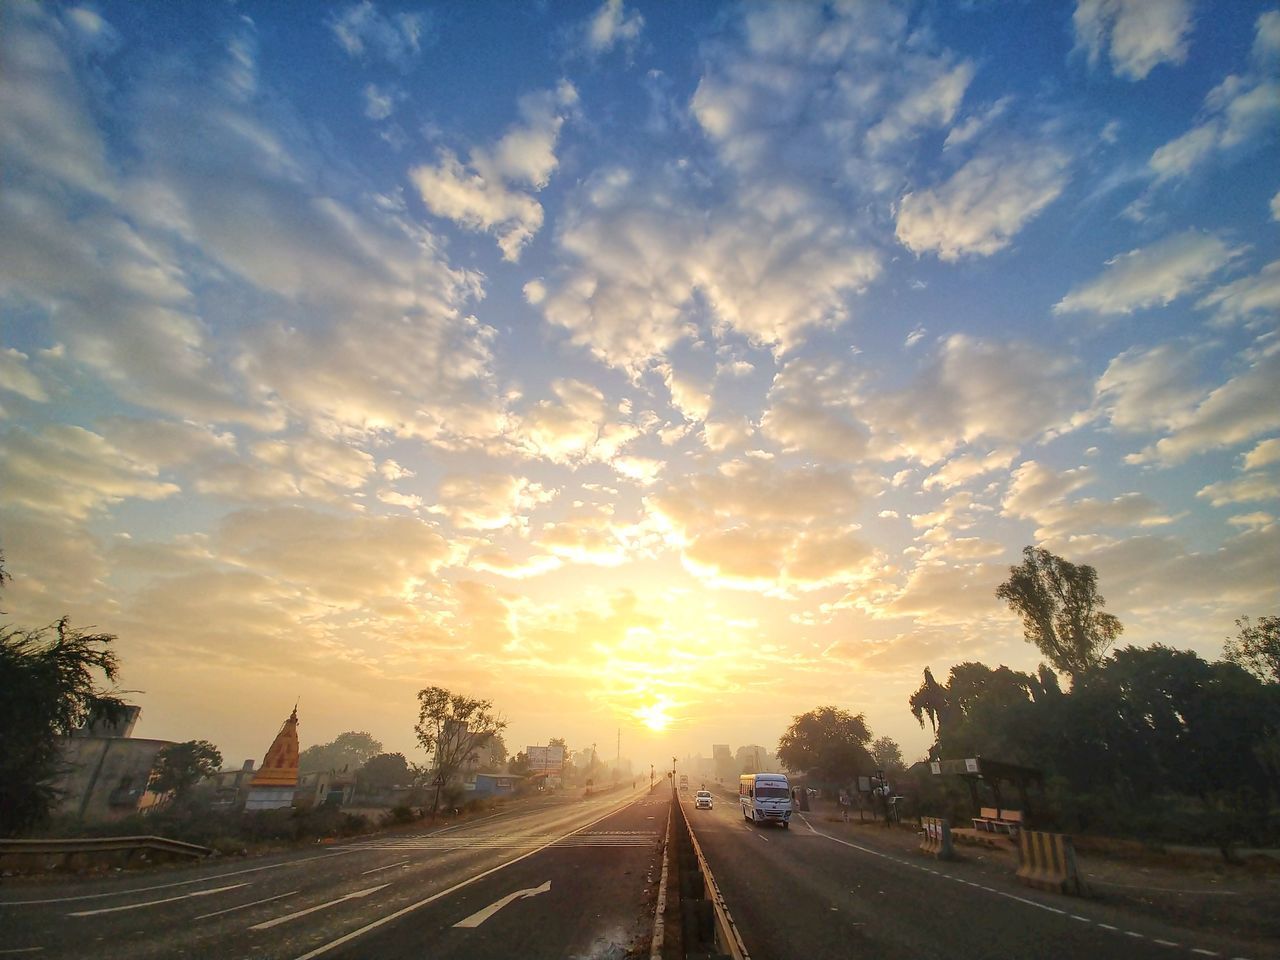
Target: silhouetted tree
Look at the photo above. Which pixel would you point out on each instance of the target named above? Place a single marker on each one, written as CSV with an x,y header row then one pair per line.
x,y
829,741
180,766
384,771
887,755
1061,610
1256,648
452,727
518,766
345,751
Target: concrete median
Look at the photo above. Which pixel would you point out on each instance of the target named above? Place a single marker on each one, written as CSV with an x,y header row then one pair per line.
x,y
1047,861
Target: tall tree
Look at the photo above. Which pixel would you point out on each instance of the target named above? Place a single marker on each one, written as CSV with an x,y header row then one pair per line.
x,y
347,750
180,766
452,727
829,741
1061,610
50,678
384,771
887,755
1256,647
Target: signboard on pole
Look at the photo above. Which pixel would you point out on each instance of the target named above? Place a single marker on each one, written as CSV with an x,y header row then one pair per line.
x,y
545,759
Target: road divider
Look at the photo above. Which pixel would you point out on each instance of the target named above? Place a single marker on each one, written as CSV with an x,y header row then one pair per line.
x,y
1047,861
935,838
706,926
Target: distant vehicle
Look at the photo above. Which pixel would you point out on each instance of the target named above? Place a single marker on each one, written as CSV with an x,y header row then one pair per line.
x,y
702,800
684,781
765,798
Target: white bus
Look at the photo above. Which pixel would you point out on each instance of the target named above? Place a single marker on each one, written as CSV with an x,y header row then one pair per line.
x,y
765,798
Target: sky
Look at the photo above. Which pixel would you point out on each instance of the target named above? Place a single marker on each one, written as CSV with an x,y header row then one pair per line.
x,y
654,370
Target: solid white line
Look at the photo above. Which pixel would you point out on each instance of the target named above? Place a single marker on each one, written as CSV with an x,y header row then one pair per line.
x,y
480,916
152,903
218,913
179,883
268,924
387,867
348,937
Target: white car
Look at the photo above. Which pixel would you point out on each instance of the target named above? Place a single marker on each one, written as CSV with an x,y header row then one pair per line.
x,y
702,800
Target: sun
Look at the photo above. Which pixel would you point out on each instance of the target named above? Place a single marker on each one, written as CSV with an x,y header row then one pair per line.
x,y
655,716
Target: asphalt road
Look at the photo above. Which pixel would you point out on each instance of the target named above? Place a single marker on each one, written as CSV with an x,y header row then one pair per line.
x,y
823,890
571,878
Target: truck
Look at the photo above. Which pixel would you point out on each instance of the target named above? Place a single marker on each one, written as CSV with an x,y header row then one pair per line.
x,y
765,798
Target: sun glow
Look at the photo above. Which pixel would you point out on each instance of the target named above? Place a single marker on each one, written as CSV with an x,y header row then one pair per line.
x,y
654,716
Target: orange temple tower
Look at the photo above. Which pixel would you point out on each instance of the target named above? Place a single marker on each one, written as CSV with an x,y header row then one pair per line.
x,y
273,786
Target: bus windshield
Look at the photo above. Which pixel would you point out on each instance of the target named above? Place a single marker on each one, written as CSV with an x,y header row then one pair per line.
x,y
771,793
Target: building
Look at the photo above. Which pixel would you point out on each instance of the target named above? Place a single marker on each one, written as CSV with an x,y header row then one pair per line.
x,y
494,785
273,786
230,787
333,788
105,769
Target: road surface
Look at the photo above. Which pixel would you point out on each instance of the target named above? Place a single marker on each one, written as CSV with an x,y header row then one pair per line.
x,y
561,879
826,890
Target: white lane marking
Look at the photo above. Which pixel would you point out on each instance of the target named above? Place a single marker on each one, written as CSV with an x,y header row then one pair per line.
x,y
765,839
152,903
1166,943
480,916
268,924
1107,926
1134,934
5,953
242,906
348,937
179,883
387,867
1080,918
1205,953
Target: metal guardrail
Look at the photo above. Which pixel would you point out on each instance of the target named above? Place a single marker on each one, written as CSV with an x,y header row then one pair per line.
x,y
725,932
129,846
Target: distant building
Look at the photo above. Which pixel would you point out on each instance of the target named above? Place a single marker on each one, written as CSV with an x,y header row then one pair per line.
x,y
495,785
105,769
724,766
273,786
231,787
333,788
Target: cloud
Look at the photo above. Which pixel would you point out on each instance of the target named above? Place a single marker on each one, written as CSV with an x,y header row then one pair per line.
x,y
17,377
1241,409
364,32
71,472
491,191
1247,489
971,391
985,203
488,501
1266,452
960,470
812,409
1150,389
1151,276
578,425
1256,296
1238,115
1138,35
379,103
612,24
1035,486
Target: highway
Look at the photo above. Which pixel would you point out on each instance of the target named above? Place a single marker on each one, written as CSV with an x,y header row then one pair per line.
x,y
823,889
561,878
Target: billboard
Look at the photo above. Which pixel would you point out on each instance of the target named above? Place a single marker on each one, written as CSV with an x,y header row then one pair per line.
x,y
545,759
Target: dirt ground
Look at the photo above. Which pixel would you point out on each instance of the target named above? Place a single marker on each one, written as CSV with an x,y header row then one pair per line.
x,y
1192,891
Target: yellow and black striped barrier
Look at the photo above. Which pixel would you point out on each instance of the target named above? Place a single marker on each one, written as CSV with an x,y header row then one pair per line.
x,y
1047,861
936,838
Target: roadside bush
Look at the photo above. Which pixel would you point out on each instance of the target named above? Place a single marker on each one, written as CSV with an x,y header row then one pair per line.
x,y
398,816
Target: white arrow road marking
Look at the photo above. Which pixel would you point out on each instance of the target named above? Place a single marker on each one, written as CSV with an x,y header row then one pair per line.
x,y
152,903
302,913
480,916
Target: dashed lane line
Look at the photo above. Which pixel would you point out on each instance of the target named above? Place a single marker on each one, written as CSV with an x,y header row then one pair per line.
x,y
244,906
1004,893
155,903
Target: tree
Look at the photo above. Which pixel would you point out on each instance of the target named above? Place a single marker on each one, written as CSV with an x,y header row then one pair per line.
x,y
887,755
1061,610
50,681
453,727
829,741
1256,648
518,766
180,766
384,771
347,750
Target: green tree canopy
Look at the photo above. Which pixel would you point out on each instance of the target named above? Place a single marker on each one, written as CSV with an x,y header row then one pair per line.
x,y
345,751
828,741
887,755
451,727
1256,648
1061,610
51,680
180,766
